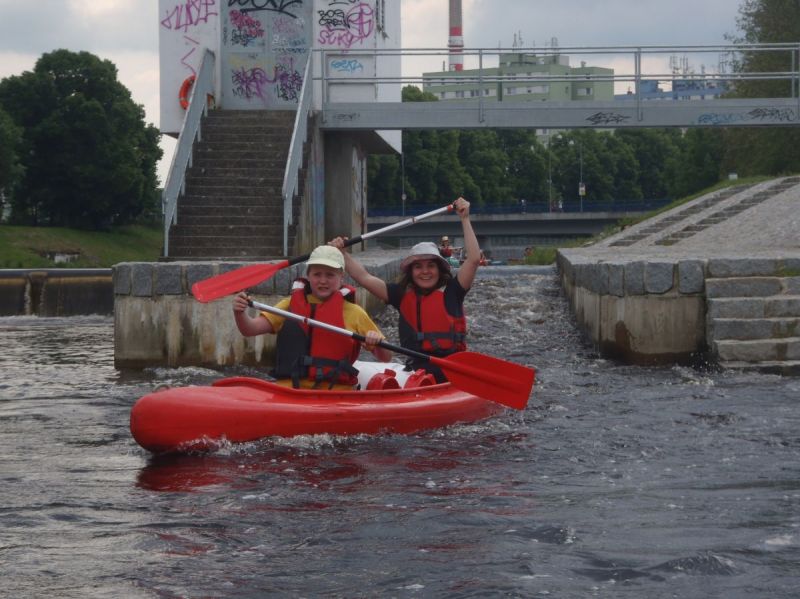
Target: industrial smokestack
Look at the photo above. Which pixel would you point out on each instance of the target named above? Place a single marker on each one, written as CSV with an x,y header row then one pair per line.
x,y
455,42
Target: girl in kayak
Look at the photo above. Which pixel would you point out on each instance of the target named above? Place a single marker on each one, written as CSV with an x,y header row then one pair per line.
x,y
309,357
429,298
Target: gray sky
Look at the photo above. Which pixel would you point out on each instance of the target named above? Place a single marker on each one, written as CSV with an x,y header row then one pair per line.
x,y
126,32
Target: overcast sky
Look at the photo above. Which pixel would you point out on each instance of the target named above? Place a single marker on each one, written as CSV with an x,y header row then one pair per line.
x,y
126,32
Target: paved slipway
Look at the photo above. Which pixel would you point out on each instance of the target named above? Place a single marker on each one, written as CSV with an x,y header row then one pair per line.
x,y
738,248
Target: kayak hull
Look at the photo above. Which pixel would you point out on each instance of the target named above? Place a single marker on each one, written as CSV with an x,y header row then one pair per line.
x,y
242,409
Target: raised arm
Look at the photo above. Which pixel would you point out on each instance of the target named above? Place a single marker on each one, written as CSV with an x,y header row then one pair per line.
x,y
467,270
360,275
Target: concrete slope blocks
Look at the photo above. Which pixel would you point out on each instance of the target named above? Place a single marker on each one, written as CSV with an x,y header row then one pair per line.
x,y
742,312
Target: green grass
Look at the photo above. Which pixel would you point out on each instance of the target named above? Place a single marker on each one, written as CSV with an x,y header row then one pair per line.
x,y
29,247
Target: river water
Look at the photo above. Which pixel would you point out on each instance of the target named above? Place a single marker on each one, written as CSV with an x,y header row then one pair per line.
x,y
617,481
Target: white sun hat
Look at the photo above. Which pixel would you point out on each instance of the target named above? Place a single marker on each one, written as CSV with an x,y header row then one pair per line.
x,y
326,255
426,250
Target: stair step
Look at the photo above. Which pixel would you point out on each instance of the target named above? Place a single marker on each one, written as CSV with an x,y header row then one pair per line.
x,y
233,230
256,181
754,328
262,190
779,306
277,147
744,287
223,210
273,202
223,219
758,350
233,171
216,138
782,367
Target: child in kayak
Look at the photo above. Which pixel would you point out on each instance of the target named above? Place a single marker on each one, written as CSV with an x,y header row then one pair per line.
x,y
429,298
307,356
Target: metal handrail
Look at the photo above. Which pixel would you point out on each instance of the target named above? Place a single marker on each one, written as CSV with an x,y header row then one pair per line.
x,y
437,79
295,158
202,88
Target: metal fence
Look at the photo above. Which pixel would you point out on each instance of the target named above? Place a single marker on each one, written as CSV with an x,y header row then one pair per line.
x,y
532,207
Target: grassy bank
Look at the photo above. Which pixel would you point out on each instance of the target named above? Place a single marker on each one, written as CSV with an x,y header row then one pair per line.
x,y
36,247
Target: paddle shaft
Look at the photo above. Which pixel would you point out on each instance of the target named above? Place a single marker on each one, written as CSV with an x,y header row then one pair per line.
x,y
393,227
247,276
335,329
485,376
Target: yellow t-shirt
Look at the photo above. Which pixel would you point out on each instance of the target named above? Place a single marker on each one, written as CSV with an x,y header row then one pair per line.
x,y
355,319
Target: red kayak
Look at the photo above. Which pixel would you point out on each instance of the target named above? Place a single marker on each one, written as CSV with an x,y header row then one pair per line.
x,y
244,409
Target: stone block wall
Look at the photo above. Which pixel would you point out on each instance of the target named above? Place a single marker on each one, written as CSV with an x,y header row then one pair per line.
x,y
157,322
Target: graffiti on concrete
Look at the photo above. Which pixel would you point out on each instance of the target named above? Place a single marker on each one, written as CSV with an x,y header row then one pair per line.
x,y
347,65
245,29
279,6
607,118
346,28
189,14
249,83
759,115
288,81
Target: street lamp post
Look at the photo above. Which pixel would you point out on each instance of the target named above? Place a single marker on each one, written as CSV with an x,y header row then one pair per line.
x,y
550,171
403,181
581,186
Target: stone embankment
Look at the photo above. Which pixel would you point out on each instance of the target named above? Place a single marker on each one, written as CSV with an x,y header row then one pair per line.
x,y
718,277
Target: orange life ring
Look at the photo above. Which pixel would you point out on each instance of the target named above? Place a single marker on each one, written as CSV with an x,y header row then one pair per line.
x,y
186,86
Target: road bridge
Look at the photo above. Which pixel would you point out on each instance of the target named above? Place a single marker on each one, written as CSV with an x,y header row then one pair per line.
x,y
505,235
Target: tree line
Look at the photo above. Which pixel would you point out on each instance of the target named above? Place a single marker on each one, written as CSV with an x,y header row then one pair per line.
x,y
75,150
504,166
74,147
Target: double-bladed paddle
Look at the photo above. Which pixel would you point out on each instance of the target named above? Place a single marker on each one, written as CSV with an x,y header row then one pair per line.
x,y
247,276
491,378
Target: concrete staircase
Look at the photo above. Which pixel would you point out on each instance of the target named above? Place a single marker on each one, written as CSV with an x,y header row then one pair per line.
x,y
232,208
753,322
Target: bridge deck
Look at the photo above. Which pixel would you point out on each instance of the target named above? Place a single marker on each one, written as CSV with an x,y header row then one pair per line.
x,y
528,115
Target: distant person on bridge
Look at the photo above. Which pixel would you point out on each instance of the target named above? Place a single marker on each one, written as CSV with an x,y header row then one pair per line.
x,y
309,357
429,298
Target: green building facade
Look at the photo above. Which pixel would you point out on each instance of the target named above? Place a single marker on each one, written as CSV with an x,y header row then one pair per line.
x,y
523,77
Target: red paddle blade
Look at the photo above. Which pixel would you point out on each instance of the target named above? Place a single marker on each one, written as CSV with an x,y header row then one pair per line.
x,y
235,280
491,378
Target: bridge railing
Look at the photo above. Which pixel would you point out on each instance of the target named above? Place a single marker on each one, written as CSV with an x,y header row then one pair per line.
x,y
487,69
294,161
202,90
532,207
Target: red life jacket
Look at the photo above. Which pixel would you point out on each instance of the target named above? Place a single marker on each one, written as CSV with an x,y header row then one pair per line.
x,y
312,352
427,326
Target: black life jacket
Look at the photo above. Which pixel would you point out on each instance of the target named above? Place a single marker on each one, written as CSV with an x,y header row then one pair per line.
x,y
313,353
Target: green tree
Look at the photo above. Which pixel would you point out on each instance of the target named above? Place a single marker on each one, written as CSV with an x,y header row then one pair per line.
x,y
10,168
701,160
90,159
487,163
773,150
657,153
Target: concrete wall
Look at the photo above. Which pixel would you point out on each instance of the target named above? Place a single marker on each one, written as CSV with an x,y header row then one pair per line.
x,y
639,311
262,48
55,292
157,322
345,186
